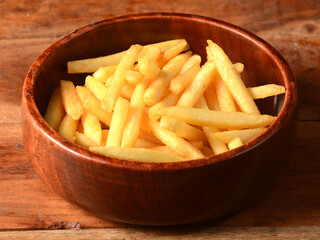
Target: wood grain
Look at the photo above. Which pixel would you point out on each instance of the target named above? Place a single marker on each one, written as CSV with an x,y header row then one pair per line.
x,y
292,27
279,233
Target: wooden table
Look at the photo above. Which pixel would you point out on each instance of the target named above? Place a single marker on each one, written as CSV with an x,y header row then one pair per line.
x,y
290,210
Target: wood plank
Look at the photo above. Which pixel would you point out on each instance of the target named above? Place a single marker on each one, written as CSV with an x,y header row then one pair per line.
x,y
29,19
177,233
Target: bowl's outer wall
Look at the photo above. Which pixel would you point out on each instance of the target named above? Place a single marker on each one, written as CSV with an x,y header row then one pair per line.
x,y
156,196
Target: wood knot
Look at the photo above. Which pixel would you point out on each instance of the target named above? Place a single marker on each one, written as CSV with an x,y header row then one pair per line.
x,y
310,28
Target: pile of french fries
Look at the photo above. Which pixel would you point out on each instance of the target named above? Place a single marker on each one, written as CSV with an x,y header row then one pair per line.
x,y
156,103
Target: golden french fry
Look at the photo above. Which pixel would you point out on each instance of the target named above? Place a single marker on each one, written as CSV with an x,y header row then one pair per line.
x,y
232,80
235,143
180,82
97,88
133,77
163,47
165,149
127,91
150,53
170,100
182,129
216,146
93,64
70,100
200,83
238,67
178,144
192,61
156,90
267,90
211,97
93,105
170,53
119,77
117,123
136,107
92,127
148,68
218,119
141,143
68,128
55,110
83,141
103,73
245,135
137,154
225,99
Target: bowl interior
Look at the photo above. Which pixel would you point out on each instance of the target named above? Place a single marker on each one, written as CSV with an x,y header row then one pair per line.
x,y
113,36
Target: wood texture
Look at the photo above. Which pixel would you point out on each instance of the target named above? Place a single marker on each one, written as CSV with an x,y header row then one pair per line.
x,y
28,27
223,233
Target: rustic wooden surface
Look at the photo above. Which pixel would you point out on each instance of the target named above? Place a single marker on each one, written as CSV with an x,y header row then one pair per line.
x,y
290,210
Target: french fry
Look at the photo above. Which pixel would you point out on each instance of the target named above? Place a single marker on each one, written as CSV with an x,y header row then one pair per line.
x,y
163,47
151,53
103,73
92,64
68,128
133,77
119,77
165,149
211,97
216,145
170,100
218,119
170,53
93,105
148,68
132,124
117,123
200,83
55,110
245,135
235,143
232,80
157,88
127,91
141,143
83,141
136,154
91,127
238,67
97,88
225,99
180,82
182,129
267,90
195,59
178,144
70,100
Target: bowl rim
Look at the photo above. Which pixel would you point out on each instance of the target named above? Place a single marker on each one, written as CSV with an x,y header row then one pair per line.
x,y
286,112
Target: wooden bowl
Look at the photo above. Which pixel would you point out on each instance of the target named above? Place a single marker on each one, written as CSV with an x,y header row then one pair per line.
x,y
159,193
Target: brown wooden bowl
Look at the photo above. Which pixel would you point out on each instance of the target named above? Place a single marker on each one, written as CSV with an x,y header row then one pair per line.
x,y
159,193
